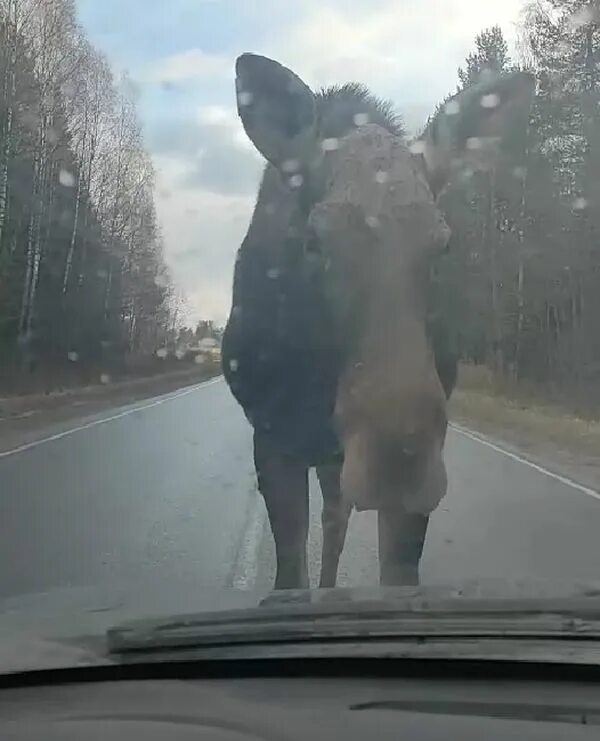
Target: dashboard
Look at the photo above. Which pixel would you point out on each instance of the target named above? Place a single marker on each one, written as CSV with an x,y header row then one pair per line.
x,y
301,709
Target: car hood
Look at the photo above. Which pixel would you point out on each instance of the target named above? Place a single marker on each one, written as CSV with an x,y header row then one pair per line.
x,y
67,628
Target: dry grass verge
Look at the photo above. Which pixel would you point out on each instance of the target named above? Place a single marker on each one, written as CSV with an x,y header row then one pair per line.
x,y
25,418
545,431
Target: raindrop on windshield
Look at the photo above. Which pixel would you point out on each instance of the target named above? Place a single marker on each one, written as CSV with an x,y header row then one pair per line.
x,y
66,178
330,145
162,352
417,147
360,119
474,143
452,107
104,378
489,101
73,356
582,17
233,365
290,165
580,204
381,177
296,181
245,98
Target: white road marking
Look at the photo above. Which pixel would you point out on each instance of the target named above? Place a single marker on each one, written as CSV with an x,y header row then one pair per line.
x,y
246,568
104,420
540,469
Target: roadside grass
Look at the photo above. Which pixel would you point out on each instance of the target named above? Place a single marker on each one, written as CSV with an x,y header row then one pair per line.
x,y
523,415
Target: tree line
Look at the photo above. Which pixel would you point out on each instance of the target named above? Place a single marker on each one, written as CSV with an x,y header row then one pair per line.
x,y
521,281
82,274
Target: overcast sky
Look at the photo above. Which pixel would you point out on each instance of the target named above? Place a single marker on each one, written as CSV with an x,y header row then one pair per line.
x,y
182,52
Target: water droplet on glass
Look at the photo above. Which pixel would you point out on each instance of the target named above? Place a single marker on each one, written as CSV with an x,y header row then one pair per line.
x,y
104,378
581,18
273,273
233,365
66,178
473,143
102,274
236,311
29,120
73,356
162,352
452,107
290,165
361,119
381,176
489,101
580,204
296,181
168,86
245,97
519,172
372,221
179,354
199,359
417,147
330,145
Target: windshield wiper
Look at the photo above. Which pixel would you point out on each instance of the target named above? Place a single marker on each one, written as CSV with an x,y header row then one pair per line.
x,y
292,622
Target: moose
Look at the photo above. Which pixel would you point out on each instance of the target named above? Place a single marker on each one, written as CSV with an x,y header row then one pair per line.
x,y
329,346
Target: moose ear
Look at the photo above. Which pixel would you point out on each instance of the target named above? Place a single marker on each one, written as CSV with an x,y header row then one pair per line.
x,y
472,127
277,109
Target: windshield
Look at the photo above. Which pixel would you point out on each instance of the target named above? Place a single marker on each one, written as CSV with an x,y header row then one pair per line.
x,y
296,295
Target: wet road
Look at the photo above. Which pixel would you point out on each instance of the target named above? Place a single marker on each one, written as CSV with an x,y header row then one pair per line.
x,y
165,489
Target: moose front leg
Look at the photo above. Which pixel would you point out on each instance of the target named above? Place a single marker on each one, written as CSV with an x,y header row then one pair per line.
x,y
335,516
283,482
401,539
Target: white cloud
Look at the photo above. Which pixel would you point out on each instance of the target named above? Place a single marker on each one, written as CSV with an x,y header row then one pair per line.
x,y
228,121
202,231
407,50
217,115
192,64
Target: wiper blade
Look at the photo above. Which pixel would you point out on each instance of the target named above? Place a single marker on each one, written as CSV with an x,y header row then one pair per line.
x,y
292,622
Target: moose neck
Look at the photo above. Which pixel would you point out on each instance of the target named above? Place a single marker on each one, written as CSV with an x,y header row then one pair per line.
x,y
395,313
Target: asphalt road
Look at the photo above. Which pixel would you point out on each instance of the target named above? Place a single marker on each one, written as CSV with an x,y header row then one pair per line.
x,y
165,489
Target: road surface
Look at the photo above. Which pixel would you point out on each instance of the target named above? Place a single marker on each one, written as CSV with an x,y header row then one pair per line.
x,y
166,489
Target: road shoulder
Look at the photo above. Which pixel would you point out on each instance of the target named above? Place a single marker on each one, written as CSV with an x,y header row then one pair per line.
x,y
546,435
25,419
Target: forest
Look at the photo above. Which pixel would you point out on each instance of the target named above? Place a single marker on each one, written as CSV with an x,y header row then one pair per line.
x,y
83,281
521,280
